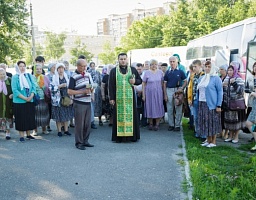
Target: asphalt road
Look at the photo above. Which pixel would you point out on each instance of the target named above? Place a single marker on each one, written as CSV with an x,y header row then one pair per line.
x,y
52,168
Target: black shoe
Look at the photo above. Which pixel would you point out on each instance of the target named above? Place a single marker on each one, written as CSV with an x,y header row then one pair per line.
x,y
7,137
93,126
49,128
72,125
251,140
30,137
88,145
60,134
67,133
81,147
177,129
100,123
171,128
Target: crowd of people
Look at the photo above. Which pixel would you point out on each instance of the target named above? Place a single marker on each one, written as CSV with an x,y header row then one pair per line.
x,y
128,98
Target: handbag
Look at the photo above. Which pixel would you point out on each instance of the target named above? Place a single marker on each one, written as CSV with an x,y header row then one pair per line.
x,y
65,101
235,104
36,99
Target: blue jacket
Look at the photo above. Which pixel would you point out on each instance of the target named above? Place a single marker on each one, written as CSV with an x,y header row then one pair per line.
x,y
17,90
213,92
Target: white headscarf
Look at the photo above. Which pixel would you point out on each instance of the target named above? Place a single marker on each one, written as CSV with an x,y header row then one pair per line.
x,y
56,77
22,78
206,78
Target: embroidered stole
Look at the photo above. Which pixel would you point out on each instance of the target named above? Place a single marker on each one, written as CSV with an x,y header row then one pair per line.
x,y
124,103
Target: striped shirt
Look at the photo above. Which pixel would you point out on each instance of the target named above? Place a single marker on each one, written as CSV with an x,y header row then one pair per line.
x,y
79,81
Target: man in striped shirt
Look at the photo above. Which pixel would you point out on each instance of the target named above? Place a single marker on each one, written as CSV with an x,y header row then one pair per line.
x,y
81,90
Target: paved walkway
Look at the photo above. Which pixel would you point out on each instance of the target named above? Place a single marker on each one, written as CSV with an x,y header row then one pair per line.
x,y
52,168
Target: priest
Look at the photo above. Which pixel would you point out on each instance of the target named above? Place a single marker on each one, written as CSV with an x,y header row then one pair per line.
x,y
122,78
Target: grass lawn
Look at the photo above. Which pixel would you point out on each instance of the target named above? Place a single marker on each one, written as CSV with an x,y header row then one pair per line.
x,y
222,172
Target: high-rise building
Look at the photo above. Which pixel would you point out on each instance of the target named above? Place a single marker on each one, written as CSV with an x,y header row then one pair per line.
x,y
117,25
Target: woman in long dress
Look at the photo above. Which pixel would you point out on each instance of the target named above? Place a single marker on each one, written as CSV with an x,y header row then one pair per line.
x,y
61,114
152,88
6,95
233,88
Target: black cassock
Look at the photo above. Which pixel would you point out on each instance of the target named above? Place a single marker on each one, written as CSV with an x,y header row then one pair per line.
x,y
112,96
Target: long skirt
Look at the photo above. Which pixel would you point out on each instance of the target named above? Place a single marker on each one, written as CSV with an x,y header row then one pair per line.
x,y
24,114
209,121
234,120
62,113
42,114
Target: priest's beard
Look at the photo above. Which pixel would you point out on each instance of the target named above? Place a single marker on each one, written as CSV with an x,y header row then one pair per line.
x,y
123,66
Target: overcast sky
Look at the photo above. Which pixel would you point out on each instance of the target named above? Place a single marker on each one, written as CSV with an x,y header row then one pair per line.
x,y
82,15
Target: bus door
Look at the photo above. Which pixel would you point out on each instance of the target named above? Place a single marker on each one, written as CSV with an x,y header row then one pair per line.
x,y
250,60
222,57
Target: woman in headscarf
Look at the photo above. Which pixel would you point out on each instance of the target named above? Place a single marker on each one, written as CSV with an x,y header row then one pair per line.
x,y
6,113
233,88
210,94
42,109
60,113
24,89
97,103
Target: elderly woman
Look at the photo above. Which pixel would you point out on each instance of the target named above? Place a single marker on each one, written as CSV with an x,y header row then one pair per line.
x,y
233,88
42,109
24,89
152,94
5,103
60,113
106,108
97,103
210,94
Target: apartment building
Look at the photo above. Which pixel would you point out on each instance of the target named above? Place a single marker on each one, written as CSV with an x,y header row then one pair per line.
x,y
118,25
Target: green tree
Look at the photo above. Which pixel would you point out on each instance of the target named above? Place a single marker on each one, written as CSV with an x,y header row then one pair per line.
x,y
80,49
13,29
176,31
146,33
54,45
252,9
108,55
239,11
28,52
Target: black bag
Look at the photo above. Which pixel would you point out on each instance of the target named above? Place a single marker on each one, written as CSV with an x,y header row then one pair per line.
x,y
36,99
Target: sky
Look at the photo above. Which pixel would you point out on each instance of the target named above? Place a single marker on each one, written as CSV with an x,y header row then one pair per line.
x,y
82,15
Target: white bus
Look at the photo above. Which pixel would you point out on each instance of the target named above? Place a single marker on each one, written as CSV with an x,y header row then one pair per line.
x,y
226,44
160,54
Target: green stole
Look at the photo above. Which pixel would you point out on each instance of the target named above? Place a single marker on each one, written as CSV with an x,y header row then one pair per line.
x,y
124,103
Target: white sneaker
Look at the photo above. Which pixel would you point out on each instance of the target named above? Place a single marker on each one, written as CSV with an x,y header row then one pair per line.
x,y
45,132
211,145
205,144
34,133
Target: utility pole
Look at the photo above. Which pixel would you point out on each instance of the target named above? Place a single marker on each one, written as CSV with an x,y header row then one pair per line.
x,y
33,36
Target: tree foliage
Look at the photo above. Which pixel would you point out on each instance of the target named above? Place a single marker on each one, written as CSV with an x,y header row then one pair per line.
x,y
13,29
28,52
108,55
54,45
80,49
188,20
146,33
